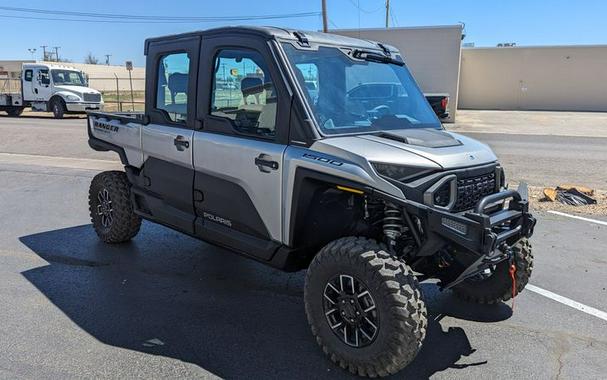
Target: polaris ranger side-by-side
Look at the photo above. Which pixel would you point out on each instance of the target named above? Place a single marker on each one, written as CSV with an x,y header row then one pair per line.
x,y
263,141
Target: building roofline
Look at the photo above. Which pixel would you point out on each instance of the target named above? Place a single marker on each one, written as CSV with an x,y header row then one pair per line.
x,y
455,26
534,47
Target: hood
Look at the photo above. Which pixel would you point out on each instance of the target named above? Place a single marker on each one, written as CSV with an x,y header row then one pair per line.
x,y
425,148
78,90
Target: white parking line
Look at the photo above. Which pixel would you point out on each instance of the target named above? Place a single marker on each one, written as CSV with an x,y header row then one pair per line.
x,y
578,217
59,162
569,302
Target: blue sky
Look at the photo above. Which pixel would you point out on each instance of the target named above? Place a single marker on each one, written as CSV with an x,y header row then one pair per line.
x,y
530,22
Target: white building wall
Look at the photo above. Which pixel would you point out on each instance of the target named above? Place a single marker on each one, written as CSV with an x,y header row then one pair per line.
x,y
431,53
102,77
558,78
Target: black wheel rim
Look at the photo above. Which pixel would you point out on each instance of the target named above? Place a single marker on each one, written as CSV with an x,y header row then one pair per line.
x,y
104,208
350,310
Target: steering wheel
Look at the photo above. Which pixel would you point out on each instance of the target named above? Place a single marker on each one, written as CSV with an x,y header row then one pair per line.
x,y
381,110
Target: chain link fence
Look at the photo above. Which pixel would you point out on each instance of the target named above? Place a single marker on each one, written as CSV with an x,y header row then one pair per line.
x,y
121,94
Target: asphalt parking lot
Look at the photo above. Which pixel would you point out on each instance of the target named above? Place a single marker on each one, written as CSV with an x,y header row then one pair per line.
x,y
167,306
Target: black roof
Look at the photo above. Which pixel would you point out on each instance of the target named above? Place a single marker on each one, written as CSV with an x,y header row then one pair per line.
x,y
271,32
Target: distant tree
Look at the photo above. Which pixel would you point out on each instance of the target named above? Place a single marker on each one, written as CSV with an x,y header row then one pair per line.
x,y
91,59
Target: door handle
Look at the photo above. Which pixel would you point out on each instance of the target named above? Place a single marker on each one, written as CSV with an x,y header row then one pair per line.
x,y
181,143
264,163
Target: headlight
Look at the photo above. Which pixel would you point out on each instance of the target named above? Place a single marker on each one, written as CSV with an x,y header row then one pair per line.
x,y
397,172
72,98
501,183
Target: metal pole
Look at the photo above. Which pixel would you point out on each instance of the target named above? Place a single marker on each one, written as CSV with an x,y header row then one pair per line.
x,y
56,53
118,93
132,97
325,25
387,13
44,52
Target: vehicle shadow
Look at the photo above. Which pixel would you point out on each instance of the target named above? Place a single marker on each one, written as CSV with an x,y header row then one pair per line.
x,y
167,294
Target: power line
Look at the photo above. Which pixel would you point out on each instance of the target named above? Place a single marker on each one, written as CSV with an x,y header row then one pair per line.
x,y
364,10
393,17
112,17
125,21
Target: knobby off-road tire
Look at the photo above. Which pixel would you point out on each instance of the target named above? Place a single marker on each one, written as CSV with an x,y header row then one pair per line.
x,y
110,206
498,287
401,317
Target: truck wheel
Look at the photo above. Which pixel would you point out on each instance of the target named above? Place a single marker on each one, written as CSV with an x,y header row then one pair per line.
x,y
365,307
111,209
58,108
498,286
14,111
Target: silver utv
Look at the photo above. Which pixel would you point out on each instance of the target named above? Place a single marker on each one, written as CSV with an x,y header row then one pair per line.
x,y
318,152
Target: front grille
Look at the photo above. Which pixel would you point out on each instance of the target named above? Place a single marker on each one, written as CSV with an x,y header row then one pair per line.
x,y
471,190
93,98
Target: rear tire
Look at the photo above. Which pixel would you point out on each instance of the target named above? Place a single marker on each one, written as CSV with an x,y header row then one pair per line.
x,y
112,214
14,111
58,108
382,292
498,287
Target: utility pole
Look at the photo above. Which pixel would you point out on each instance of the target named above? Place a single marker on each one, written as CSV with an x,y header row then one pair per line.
x,y
387,13
107,59
56,53
44,52
325,25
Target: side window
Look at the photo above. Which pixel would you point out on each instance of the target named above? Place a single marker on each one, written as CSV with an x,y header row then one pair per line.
x,y
28,75
244,93
43,77
172,86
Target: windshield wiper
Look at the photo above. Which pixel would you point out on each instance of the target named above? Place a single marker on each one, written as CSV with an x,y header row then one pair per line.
x,y
372,56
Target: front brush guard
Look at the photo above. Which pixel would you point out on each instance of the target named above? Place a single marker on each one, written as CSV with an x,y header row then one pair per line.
x,y
480,231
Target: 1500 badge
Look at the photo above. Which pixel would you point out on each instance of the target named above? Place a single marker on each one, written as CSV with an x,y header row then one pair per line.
x,y
100,125
322,159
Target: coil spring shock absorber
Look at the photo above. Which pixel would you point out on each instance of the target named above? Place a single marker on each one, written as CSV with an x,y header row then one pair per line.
x,y
393,224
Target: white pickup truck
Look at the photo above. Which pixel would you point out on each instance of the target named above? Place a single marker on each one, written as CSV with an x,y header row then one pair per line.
x,y
47,88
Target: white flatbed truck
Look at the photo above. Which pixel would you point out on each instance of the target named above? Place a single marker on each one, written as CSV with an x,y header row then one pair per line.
x,y
47,88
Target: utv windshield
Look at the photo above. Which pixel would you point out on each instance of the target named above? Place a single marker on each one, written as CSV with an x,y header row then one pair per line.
x,y
359,92
67,77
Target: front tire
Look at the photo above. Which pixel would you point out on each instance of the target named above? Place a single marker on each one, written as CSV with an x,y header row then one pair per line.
x,y
58,108
112,214
498,287
352,285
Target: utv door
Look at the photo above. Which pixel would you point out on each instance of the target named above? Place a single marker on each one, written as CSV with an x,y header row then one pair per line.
x,y
168,171
239,146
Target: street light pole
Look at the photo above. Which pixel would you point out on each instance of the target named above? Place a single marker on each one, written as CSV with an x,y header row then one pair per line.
x,y
387,13
32,52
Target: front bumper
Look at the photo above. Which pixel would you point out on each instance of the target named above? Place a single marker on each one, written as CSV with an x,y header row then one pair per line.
x,y
481,231
83,107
